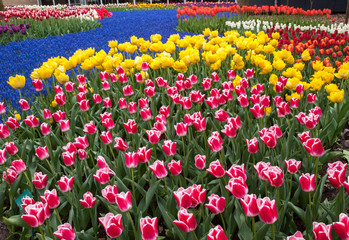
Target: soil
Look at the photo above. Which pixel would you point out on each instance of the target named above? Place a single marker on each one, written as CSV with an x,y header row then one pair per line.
x,y
4,233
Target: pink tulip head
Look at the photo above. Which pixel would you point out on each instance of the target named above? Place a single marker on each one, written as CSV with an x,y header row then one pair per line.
x,y
50,198
238,187
200,161
159,169
322,231
109,193
123,200
216,233
216,204
112,224
65,184
292,165
216,169
307,182
249,205
65,232
267,210
88,200
149,228
186,221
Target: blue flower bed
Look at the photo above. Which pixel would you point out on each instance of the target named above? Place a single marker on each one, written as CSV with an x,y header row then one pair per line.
x,y
23,56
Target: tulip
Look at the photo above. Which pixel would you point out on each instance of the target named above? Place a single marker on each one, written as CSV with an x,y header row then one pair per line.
x,y
19,165
65,184
27,201
240,91
11,148
60,99
297,236
153,136
50,198
199,124
231,74
294,102
322,231
109,193
106,137
107,102
84,105
221,115
90,128
10,175
120,144
24,105
145,114
102,175
132,107
45,129
165,111
81,142
145,66
183,197
216,169
237,171
3,157
336,173
68,158
283,109
175,167
229,130
4,132
159,169
65,232
200,161
215,142
97,98
128,91
2,108
307,182
144,154
82,154
70,147
216,204
260,168
12,123
106,85
342,227
130,126
311,98
88,201
38,86
69,86
181,129
149,228
40,180
186,221
58,116
16,82
314,147
274,176
81,79
112,224
292,165
269,138
149,91
131,159
216,233
267,210
257,111
249,205
108,123
123,200
31,121
212,102
237,187
35,214
169,147
252,145
243,100
123,78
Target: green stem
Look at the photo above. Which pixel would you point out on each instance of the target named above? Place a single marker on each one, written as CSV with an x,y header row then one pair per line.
x,y
183,147
42,232
273,231
223,222
112,153
196,238
133,225
50,229
317,168
310,200
133,183
266,188
168,192
254,228
58,216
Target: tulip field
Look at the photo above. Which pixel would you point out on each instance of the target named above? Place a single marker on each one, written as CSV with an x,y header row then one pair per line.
x,y
216,124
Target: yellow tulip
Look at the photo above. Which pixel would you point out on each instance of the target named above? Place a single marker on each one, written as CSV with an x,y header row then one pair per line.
x,y
337,96
17,82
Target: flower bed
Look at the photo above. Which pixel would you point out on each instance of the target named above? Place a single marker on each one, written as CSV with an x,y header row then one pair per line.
x,y
50,21
182,139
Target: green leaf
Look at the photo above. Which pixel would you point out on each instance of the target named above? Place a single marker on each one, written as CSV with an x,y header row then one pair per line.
x,y
15,220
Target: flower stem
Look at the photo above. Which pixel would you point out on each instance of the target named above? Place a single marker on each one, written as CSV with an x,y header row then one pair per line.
x,y
50,229
223,222
254,228
133,225
168,192
273,231
133,183
58,216
42,232
195,235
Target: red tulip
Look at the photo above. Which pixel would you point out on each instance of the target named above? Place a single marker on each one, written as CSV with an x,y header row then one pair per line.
x,y
243,100
88,201
267,210
212,102
257,111
123,200
120,144
130,126
149,91
307,182
27,201
181,129
300,89
292,165
122,103
216,233
322,231
112,224
131,159
297,236
40,180
107,102
145,114
31,121
200,161
12,123
252,145
90,128
36,214
265,101
2,108
169,147
249,205
153,136
215,142
81,142
102,175
37,84
221,115
231,74
159,169
229,130
11,148
199,124
311,98
216,204
274,176
24,105
50,198
109,193
314,147
58,116
237,171
65,232
283,109
336,173
175,167
342,227
186,221
144,154
10,175
149,228
65,184
216,169
260,167
277,101
97,98
45,129
106,137
4,132
19,165
68,158
237,186
294,102
69,86
127,90
60,99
